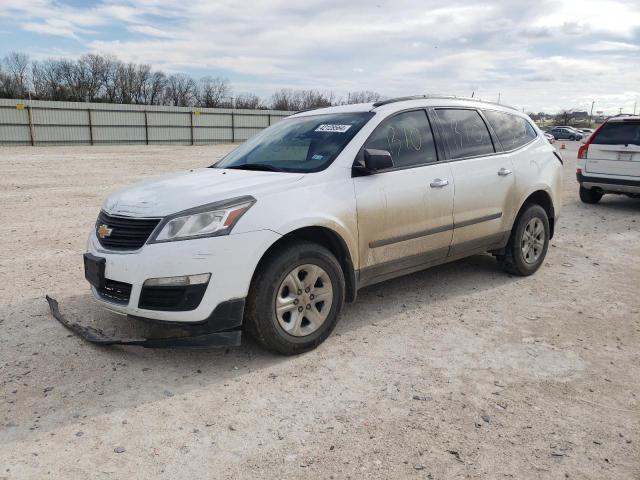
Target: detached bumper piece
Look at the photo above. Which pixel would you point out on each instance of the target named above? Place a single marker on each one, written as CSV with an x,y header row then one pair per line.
x,y
222,328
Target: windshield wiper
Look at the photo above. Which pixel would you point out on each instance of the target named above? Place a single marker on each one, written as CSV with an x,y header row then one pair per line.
x,y
256,166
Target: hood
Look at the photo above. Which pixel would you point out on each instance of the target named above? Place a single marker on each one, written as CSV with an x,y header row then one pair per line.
x,y
175,192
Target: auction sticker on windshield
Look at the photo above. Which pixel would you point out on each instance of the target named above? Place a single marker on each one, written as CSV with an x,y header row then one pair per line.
x,y
333,128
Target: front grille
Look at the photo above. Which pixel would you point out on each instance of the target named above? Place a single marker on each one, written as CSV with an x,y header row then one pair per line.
x,y
114,291
172,298
126,233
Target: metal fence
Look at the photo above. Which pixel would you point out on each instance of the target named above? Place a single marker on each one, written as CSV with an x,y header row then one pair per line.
x,y
36,122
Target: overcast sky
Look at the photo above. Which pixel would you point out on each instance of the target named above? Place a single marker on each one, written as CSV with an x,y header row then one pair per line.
x,y
539,55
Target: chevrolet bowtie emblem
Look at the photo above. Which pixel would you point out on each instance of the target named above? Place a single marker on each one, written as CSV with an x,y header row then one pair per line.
x,y
104,231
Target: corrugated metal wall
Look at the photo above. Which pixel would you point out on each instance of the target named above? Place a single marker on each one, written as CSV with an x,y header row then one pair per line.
x,y
38,122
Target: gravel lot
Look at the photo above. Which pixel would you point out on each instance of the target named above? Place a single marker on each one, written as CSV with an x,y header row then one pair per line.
x,y
460,371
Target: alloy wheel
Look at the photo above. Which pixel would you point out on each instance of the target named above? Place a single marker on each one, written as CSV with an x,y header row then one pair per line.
x,y
303,300
533,238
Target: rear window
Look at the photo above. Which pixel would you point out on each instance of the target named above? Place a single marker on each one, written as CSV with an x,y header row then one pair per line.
x,y
513,132
464,132
618,133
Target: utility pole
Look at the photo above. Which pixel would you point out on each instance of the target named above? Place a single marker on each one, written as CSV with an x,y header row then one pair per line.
x,y
591,113
498,97
635,105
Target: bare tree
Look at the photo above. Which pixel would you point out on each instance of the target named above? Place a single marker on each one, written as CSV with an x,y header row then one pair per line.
x,y
564,116
48,80
8,87
214,92
315,99
93,66
365,96
283,99
17,65
156,89
109,78
287,99
181,90
248,101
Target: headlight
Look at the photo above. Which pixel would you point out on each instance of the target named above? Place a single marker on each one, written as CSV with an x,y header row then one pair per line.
x,y
207,221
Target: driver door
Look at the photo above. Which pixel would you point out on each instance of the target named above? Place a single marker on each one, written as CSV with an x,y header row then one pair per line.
x,y
405,213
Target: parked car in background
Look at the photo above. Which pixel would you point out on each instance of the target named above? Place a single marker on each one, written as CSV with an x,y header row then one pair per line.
x,y
586,131
609,162
566,133
277,235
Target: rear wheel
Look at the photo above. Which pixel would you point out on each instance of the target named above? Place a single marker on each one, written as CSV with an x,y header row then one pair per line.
x,y
295,298
528,243
590,195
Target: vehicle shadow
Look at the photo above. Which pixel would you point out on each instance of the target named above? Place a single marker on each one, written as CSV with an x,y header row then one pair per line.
x,y
620,203
95,380
479,273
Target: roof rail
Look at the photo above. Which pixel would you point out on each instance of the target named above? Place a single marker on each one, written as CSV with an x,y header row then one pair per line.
x,y
429,96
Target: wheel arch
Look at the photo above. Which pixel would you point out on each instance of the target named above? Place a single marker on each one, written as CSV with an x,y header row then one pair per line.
x,y
329,239
543,198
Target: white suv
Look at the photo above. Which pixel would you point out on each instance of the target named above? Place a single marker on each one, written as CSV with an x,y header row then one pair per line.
x,y
609,162
287,227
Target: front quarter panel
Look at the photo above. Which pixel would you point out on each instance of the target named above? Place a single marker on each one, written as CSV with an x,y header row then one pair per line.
x,y
322,199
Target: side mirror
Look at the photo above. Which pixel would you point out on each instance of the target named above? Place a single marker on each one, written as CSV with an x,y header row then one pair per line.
x,y
375,160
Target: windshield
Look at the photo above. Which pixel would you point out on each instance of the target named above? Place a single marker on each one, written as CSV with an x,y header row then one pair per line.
x,y
298,144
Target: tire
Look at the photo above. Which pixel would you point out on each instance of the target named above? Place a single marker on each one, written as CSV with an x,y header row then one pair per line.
x,y
572,138
514,260
590,195
288,331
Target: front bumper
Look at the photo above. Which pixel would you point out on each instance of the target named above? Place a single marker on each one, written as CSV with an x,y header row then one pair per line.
x,y
231,260
618,185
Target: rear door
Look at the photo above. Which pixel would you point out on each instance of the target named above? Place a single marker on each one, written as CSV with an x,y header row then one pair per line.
x,y
615,149
484,180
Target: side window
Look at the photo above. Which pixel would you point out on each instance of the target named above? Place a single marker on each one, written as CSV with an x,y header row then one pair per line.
x,y
465,133
407,136
512,131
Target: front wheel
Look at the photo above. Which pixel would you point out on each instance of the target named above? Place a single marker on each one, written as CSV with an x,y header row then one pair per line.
x,y
590,195
528,243
295,298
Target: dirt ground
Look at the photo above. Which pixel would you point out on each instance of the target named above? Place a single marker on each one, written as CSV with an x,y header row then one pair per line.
x,y
460,371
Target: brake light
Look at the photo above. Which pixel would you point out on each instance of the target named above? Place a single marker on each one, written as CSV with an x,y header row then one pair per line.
x,y
582,151
584,148
579,171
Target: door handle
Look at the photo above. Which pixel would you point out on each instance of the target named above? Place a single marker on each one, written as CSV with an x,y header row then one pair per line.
x,y
503,172
438,183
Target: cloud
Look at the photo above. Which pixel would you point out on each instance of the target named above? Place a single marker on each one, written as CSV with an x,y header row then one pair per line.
x,y
534,54
609,46
54,27
152,31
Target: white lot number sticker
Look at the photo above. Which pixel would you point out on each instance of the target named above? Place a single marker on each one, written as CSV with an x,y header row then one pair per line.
x,y
333,128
